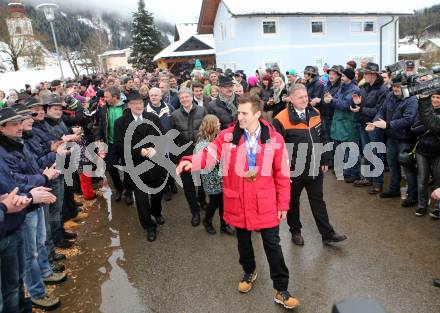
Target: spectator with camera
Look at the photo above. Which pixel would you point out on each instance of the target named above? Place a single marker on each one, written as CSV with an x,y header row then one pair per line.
x,y
395,117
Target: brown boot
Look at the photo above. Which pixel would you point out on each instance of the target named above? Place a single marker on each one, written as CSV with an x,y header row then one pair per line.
x,y
286,300
247,282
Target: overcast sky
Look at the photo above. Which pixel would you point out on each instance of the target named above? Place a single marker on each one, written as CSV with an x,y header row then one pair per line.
x,y
178,11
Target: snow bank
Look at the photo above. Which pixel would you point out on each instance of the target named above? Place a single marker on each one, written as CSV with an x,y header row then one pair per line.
x,y
17,80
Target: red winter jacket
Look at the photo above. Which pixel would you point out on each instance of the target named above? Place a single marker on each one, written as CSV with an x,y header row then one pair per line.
x,y
249,205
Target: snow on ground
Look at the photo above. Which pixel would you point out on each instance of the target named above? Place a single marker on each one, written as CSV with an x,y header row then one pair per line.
x,y
17,80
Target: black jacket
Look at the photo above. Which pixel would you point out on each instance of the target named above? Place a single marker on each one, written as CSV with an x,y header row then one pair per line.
x,y
187,124
280,105
373,96
142,130
295,131
314,88
427,127
219,109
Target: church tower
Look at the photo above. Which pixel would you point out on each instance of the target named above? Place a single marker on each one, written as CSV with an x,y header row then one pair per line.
x,y
19,25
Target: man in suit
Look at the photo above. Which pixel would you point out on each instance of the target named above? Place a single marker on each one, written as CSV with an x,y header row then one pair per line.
x,y
199,98
146,124
300,124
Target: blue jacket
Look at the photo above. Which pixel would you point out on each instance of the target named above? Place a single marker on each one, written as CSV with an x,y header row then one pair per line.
x,y
22,164
8,181
39,149
400,115
373,96
57,129
325,109
345,125
42,130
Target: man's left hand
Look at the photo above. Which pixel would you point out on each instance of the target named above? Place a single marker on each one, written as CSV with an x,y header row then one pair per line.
x,y
380,124
282,215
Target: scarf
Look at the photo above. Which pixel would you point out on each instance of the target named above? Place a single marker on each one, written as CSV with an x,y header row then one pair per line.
x,y
229,103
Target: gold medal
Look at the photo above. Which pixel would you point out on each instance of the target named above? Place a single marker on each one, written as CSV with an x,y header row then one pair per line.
x,y
251,175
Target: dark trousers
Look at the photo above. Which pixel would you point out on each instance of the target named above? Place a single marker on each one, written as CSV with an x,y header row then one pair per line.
x,y
425,166
10,273
148,205
190,192
314,188
70,209
215,201
271,243
394,147
111,159
368,137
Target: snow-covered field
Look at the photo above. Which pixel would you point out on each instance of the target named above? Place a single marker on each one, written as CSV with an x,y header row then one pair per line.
x,y
17,80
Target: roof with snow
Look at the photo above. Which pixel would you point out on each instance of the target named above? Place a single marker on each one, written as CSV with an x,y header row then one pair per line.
x,y
185,30
180,48
275,7
405,49
435,41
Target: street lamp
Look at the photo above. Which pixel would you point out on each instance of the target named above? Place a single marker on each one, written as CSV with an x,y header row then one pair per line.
x,y
49,13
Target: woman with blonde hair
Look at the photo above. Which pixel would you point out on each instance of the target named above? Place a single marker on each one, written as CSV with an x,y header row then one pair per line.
x,y
212,179
279,96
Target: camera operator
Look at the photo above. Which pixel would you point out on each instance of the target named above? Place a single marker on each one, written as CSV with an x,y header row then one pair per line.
x,y
428,150
396,116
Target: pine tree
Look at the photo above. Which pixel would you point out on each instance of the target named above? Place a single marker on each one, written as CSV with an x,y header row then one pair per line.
x,y
146,39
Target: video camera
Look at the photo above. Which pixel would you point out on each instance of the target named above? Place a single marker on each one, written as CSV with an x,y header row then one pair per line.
x,y
413,85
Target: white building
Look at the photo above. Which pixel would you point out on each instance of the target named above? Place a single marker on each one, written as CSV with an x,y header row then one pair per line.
x,y
259,33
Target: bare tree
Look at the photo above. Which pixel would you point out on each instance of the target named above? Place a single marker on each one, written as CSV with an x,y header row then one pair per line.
x,y
72,58
95,45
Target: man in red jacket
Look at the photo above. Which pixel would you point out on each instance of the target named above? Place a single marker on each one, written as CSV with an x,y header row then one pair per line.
x,y
256,190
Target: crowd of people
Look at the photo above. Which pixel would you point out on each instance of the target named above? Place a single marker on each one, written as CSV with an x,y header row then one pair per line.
x,y
202,120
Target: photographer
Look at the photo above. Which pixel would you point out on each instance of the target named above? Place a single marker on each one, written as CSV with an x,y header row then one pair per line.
x,y
396,116
428,150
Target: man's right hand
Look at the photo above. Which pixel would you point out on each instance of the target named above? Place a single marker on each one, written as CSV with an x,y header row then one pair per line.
x,y
51,172
15,203
54,146
357,99
184,166
42,195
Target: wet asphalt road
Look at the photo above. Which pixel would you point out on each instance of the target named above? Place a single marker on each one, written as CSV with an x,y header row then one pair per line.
x,y
391,255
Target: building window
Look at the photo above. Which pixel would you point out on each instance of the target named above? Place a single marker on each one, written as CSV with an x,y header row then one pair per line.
x,y
269,27
368,26
356,27
317,25
363,26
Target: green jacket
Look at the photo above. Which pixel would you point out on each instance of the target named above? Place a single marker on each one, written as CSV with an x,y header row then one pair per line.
x,y
345,125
